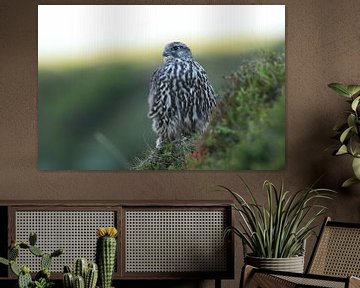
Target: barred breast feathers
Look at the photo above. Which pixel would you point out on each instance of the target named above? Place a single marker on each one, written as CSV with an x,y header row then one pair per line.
x,y
180,98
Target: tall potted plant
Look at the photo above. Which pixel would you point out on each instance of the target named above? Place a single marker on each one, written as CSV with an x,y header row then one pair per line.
x,y
276,233
348,132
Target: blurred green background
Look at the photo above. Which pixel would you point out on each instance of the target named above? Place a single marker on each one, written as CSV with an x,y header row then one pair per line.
x,y
93,108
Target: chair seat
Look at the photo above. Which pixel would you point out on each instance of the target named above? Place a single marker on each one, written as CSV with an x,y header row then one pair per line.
x,y
267,279
315,282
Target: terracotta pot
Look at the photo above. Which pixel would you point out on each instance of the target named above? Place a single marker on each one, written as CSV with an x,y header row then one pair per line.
x,y
291,264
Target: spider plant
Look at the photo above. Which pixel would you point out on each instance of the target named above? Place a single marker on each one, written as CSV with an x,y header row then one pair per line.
x,y
279,229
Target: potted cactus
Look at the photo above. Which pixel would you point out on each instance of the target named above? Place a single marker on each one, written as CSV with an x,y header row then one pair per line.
x,y
42,278
84,274
106,254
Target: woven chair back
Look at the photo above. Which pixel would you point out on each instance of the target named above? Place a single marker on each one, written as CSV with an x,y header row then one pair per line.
x,y
337,252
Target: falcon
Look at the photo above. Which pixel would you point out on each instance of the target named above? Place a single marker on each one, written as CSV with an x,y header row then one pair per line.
x,y
181,97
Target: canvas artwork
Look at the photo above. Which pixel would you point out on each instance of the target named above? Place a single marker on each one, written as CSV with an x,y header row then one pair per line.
x,y
161,87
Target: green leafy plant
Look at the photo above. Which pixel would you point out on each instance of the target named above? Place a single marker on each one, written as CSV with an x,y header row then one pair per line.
x,y
348,132
42,278
43,283
279,229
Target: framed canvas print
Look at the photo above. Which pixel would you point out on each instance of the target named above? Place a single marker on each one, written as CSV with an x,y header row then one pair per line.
x,y
161,87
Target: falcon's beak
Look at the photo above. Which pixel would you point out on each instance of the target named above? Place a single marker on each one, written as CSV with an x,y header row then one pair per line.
x,y
165,55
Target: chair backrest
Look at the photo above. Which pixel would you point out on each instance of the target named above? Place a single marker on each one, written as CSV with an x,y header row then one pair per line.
x,y
337,251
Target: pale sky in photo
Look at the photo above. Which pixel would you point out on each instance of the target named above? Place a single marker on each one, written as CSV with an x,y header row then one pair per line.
x,y
75,30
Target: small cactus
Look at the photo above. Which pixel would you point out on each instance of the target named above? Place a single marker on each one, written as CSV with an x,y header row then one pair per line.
x,y
32,238
67,269
83,272
57,252
91,276
106,254
24,277
13,253
45,261
80,267
68,280
23,273
36,251
79,282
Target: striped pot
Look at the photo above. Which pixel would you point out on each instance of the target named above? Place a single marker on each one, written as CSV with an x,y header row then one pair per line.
x,y
291,264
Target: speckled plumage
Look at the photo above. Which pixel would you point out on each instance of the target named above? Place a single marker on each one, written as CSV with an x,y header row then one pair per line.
x,y
181,98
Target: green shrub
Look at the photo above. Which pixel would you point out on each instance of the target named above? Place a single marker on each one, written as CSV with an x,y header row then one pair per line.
x,y
247,130
172,156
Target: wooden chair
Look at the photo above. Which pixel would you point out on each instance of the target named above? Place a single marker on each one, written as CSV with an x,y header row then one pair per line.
x,y
335,262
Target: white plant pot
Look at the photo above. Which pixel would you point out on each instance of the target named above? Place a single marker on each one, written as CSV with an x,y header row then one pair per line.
x,y
291,264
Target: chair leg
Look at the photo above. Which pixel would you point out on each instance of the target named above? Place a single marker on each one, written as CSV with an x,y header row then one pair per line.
x,y
217,283
246,273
